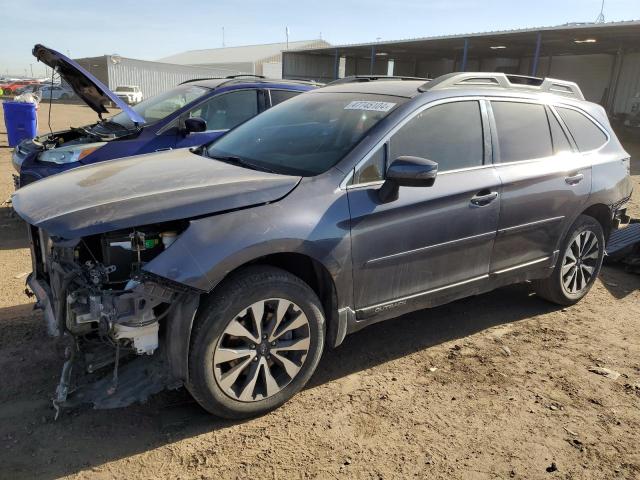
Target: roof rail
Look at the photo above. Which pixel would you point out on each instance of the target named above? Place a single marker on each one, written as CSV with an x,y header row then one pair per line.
x,y
200,80
502,80
372,78
239,75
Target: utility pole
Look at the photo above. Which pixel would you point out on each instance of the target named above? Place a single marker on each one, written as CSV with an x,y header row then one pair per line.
x,y
600,18
223,45
286,30
31,67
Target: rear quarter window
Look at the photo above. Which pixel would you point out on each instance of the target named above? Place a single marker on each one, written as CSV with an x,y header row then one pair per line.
x,y
587,135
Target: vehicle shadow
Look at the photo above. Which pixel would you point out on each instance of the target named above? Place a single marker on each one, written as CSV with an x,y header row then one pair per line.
x,y
13,231
618,281
84,439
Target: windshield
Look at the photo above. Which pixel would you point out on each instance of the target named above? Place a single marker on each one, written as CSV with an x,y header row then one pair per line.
x,y
158,107
306,135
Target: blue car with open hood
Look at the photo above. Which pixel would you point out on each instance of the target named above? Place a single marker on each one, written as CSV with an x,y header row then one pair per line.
x,y
193,113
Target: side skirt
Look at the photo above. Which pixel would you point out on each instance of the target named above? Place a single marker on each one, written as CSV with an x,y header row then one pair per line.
x,y
537,269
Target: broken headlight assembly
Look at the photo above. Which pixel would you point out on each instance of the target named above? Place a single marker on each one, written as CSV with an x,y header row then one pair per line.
x,y
108,312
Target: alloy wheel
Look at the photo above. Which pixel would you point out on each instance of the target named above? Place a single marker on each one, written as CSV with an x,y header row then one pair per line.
x,y
580,262
261,350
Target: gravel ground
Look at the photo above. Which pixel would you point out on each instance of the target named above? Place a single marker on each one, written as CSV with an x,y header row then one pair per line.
x,y
495,386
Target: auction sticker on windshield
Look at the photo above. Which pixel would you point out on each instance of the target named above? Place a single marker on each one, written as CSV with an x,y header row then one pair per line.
x,y
370,106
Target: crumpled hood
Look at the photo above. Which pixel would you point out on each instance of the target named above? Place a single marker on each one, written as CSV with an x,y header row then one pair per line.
x,y
142,190
91,90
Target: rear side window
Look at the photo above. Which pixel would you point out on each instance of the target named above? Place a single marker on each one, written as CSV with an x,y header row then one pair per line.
x,y
449,134
523,131
279,96
586,134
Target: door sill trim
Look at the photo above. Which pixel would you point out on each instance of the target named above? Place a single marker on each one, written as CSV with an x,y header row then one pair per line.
x,y
398,302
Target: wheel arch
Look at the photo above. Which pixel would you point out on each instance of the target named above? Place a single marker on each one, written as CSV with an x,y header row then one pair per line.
x,y
305,267
601,213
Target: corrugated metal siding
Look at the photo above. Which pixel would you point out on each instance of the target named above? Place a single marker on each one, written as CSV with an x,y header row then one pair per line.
x,y
629,83
309,67
155,77
239,67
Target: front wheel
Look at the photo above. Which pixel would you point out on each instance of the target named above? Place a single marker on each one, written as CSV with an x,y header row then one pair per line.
x,y
256,342
578,266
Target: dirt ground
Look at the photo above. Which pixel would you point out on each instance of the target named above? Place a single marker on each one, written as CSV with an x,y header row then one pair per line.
x,y
495,386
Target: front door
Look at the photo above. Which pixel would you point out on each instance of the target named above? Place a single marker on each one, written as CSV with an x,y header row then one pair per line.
x,y
430,239
545,184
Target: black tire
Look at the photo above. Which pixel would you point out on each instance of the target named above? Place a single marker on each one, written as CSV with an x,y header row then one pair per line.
x,y
553,288
235,294
7,92
64,96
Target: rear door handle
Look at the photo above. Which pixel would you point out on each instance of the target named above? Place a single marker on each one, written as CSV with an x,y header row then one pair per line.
x,y
484,197
573,179
166,149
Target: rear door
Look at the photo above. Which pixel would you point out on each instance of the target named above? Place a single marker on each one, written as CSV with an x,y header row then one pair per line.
x,y
545,183
221,113
430,239
277,96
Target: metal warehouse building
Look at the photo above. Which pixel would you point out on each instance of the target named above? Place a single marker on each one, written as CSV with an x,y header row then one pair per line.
x,y
151,77
604,58
264,59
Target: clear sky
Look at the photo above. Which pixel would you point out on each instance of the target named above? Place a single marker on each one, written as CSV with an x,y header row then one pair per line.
x,y
149,30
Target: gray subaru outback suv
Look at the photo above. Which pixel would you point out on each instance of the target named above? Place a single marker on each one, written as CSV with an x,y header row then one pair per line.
x,y
230,267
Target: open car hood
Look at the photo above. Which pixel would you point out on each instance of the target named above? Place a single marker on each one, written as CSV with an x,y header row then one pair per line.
x,y
143,190
91,90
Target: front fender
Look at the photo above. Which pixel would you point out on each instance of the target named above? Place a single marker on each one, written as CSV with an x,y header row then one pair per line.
x,y
313,220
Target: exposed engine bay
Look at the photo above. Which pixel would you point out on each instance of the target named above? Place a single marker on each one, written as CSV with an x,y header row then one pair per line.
x,y
100,132
107,312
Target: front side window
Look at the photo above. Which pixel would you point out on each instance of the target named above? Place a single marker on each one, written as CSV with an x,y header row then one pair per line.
x,y
585,133
158,107
449,134
227,110
523,131
308,134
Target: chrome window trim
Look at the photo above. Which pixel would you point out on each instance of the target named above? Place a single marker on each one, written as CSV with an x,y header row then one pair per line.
x,y
344,184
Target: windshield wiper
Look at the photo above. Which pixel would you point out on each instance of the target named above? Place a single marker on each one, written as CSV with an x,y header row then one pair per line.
x,y
113,122
239,161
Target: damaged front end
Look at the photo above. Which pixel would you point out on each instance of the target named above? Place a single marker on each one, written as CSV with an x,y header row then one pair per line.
x,y
113,318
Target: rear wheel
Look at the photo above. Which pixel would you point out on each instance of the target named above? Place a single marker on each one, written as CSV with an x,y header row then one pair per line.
x,y
578,266
256,342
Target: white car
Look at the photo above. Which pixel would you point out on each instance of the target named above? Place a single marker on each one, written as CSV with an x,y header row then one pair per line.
x,y
55,92
129,93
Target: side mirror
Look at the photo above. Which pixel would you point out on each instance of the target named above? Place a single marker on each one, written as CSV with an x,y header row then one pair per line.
x,y
407,172
194,125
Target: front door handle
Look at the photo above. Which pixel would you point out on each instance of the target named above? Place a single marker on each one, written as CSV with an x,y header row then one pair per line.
x,y
484,197
574,179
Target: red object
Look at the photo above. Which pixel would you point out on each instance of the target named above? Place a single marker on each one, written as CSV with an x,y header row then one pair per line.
x,y
10,87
